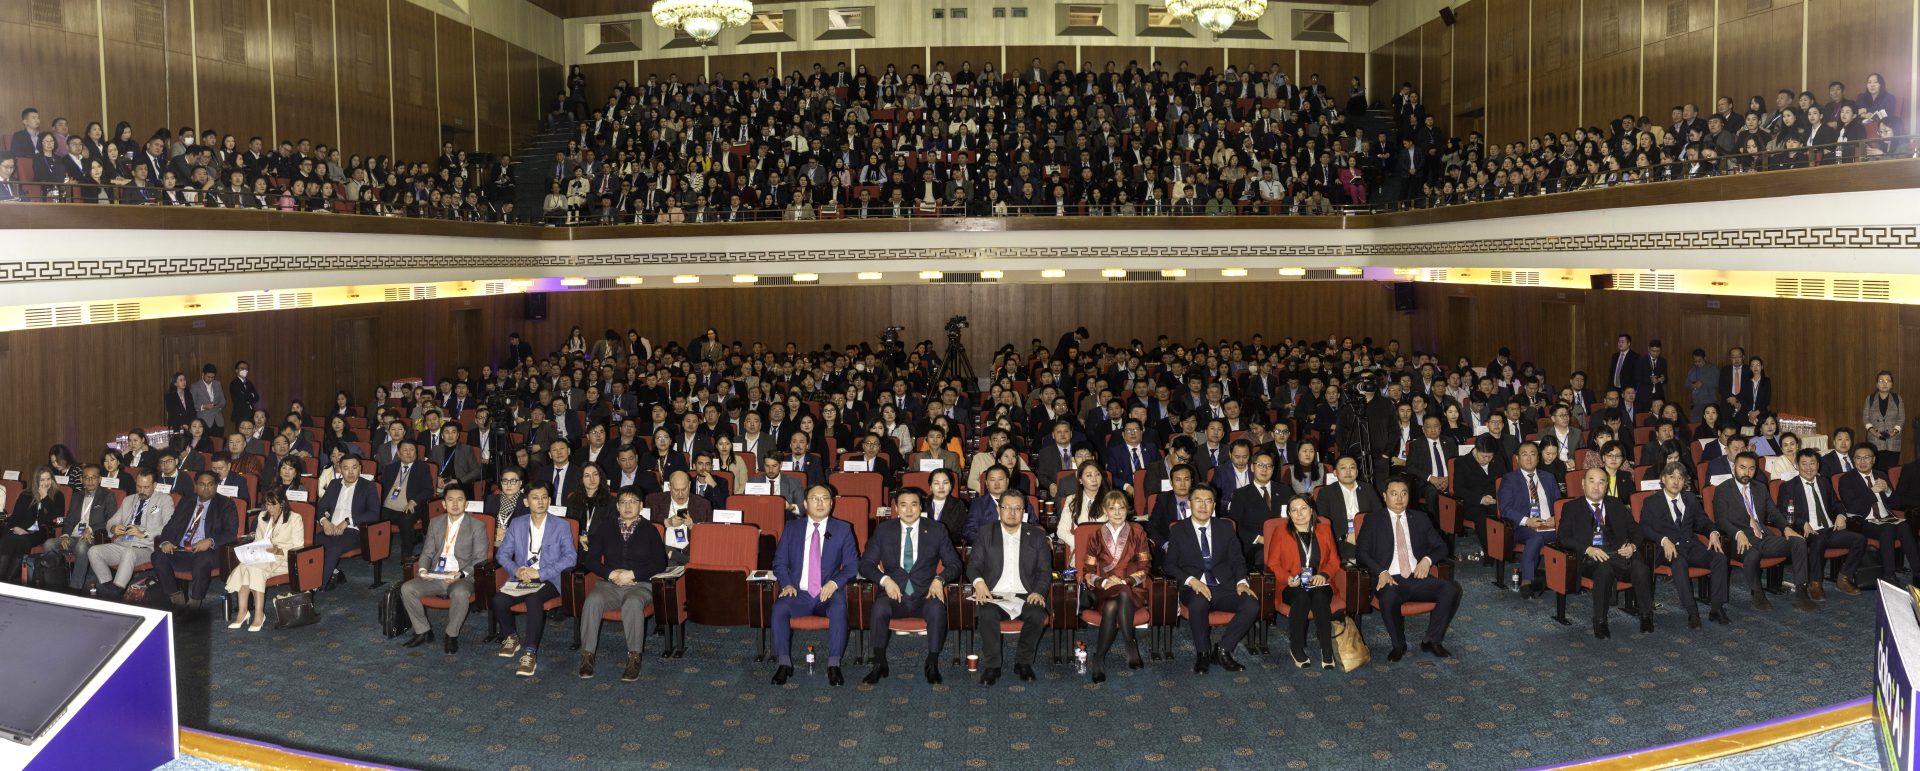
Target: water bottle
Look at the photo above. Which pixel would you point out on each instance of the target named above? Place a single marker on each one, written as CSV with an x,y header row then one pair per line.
x,y
809,659
1080,657
1516,579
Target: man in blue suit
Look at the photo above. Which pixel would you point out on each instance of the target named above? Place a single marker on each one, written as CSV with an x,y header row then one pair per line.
x,y
192,539
1131,454
349,504
538,548
816,559
912,561
1526,500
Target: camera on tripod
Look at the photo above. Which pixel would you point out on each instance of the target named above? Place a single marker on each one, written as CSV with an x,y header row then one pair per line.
x,y
890,337
955,324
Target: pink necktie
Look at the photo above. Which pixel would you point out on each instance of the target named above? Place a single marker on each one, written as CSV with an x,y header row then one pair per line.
x,y
812,579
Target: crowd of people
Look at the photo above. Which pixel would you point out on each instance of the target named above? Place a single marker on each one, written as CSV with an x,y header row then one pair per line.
x,y
1043,141
1144,462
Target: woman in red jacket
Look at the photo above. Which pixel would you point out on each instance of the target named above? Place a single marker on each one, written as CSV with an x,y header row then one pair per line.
x,y
1305,559
1113,568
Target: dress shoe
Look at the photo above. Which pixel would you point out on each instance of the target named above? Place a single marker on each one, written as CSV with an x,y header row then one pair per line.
x,y
1719,616
989,676
932,670
1133,655
1528,591
834,678
1760,601
1816,591
781,673
177,600
574,646
586,665
1600,631
632,671
1646,624
1803,601
1438,650
1399,652
419,639
1300,659
876,674
452,646
1025,671
1693,621
1200,663
1097,674
1847,586
1225,659
241,620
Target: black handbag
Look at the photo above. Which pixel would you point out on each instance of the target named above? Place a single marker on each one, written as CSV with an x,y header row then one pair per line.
x,y
294,609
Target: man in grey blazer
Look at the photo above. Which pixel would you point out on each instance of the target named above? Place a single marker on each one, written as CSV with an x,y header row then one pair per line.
x,y
87,513
131,530
458,465
210,399
443,555
789,490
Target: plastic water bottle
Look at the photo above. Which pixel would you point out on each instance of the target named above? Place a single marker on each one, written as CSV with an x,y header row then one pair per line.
x,y
1516,579
809,659
1080,657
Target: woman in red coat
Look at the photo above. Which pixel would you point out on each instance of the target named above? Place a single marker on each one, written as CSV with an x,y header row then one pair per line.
x,y
1305,559
1113,568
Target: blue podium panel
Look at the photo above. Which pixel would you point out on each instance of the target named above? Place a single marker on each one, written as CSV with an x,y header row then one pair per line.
x,y
90,684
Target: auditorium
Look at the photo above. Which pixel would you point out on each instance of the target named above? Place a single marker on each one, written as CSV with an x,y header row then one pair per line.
x,y
1118,384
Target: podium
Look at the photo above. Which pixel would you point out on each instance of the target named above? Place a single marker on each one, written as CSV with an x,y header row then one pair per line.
x,y
79,669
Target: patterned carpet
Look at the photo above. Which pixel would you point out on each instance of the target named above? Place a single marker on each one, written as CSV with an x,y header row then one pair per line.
x,y
1523,692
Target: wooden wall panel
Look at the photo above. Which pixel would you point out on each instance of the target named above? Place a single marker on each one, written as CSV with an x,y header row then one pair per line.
x,y
1678,70
525,109
366,93
1611,88
303,88
1198,58
453,51
416,104
493,93
1380,84
1436,70
1098,56
1254,60
978,55
1555,67
803,61
1469,68
1508,63
230,37
1019,57
1406,60
1759,55
732,66
552,78
52,55
1336,69
602,76
137,58
1851,38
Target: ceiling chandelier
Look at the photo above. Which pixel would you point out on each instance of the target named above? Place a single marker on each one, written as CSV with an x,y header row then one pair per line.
x,y
1217,16
703,19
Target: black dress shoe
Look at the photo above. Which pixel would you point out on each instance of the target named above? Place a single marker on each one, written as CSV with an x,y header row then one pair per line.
x,y
1200,663
932,671
1438,650
453,645
1399,652
1097,674
420,639
989,676
1600,631
1646,624
834,678
575,645
781,673
1693,621
876,674
1528,591
1225,659
1025,671
1719,616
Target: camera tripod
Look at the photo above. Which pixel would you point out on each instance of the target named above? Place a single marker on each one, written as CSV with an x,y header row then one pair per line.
x,y
955,364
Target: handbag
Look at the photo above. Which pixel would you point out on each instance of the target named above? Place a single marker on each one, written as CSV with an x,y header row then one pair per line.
x,y
294,609
1348,646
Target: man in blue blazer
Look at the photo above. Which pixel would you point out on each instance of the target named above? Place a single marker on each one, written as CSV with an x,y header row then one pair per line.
x,y
1132,453
537,547
192,539
349,504
1204,557
409,490
1526,500
912,561
816,559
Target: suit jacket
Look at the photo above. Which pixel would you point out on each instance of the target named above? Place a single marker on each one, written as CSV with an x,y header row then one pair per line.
x,y
933,556
1657,520
222,522
570,478
1420,457
1645,390
1730,512
469,544
557,554
839,560
207,407
1374,548
1629,369
1250,514
1120,462
1184,561
1331,504
948,460
715,494
158,512
789,491
1046,463
698,509
365,507
953,516
815,469
1514,505
418,486
1284,559
1857,497
459,463
1228,481
95,516
989,555
1799,509
1577,526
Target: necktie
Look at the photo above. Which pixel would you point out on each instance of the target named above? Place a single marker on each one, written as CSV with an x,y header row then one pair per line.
x,y
1746,497
906,561
1137,462
1066,460
1599,523
1439,464
1619,363
1402,545
400,481
193,525
811,581
558,475
1819,511
1183,510
1846,463
1266,499
1206,555
1533,491
1736,381
1674,503
1879,503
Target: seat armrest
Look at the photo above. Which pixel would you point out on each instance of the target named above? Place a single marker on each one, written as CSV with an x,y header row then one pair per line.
x,y
229,558
305,568
667,605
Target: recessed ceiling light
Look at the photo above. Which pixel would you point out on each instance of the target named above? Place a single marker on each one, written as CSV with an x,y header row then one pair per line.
x,y
806,277
993,275
1173,273
932,275
1293,271
871,276
1233,272
1053,273
1114,273
686,279
745,278
628,280
1346,271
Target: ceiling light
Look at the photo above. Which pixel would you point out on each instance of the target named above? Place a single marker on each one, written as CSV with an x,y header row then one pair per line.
x,y
1216,16
932,275
703,19
1114,273
1053,273
686,279
745,278
1233,272
870,276
1173,272
993,275
1346,271
803,277
628,280
573,282
1293,271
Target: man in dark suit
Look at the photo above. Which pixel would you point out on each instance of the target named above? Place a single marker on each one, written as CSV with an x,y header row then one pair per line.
x,y
813,565
1623,369
560,473
912,561
1868,499
1342,503
192,539
1427,461
1011,566
780,487
1814,510
1402,547
1054,457
803,461
1260,500
1735,379
1173,506
1838,460
348,504
88,508
1653,377
1744,514
679,501
1130,454
409,488
1473,485
1526,501
1669,520
1599,534
1180,452
1203,559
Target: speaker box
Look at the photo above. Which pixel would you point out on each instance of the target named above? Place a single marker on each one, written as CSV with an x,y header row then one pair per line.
x,y
1403,296
1447,16
1600,281
536,306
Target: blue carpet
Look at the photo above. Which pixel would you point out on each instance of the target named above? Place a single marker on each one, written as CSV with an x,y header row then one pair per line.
x,y
1523,691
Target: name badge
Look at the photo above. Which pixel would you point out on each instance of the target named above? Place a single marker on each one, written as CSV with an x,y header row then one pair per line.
x,y
366,476
111,483
476,507
1648,485
786,465
299,496
646,514
231,491
1716,479
677,537
1166,485
727,516
1465,450
716,464
558,511
926,464
163,489
11,475
759,488
856,466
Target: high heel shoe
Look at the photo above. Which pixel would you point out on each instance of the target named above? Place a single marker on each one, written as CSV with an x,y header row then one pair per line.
x,y
1328,660
1299,661
238,621
258,624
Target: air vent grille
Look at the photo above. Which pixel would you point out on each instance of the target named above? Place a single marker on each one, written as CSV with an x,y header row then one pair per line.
x,y
1862,289
421,292
1517,277
53,316
1645,282
1809,288
102,313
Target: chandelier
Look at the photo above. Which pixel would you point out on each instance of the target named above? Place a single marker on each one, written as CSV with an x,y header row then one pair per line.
x,y
1217,16
703,19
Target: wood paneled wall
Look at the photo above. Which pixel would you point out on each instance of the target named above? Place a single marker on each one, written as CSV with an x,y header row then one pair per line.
x,y
1520,68
371,77
1821,354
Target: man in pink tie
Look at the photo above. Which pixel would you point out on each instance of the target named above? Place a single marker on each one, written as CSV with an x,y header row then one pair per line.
x,y
1401,549
816,559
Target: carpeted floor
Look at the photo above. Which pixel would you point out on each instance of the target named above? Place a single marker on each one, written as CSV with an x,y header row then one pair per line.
x,y
1522,692
1846,747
